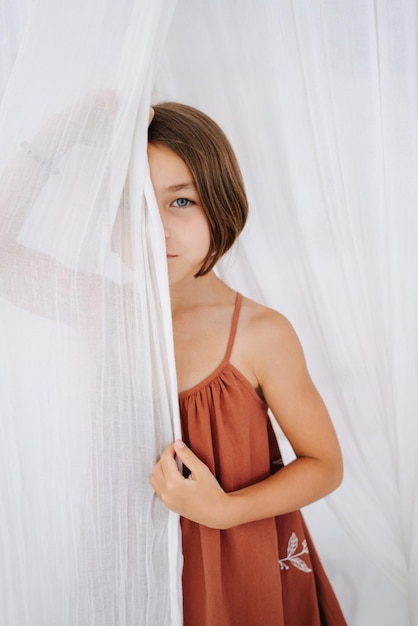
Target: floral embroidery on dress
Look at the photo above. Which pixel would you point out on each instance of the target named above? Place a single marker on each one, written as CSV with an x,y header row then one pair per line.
x,y
293,558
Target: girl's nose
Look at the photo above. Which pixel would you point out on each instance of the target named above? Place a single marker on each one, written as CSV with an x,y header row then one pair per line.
x,y
166,231
164,223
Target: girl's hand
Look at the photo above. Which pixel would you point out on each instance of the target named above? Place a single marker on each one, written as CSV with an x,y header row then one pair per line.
x,y
199,498
89,121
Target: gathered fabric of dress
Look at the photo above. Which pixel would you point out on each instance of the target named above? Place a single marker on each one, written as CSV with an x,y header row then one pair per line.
x,y
263,572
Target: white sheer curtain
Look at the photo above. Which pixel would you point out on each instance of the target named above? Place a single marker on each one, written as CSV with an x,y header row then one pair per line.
x,y
320,100
88,396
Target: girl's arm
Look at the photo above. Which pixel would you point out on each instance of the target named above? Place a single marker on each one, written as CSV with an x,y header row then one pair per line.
x,y
87,122
26,274
279,366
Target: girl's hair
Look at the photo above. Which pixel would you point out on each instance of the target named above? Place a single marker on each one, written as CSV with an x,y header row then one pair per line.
x,y
203,146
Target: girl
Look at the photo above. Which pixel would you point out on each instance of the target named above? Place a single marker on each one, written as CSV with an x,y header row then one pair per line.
x,y
248,558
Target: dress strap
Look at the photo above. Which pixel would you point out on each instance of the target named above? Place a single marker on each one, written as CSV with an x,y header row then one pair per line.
x,y
234,325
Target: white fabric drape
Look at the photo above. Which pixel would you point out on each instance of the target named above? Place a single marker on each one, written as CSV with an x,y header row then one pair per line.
x,y
88,395
320,100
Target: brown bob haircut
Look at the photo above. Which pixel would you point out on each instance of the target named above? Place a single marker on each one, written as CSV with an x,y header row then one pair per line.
x,y
205,149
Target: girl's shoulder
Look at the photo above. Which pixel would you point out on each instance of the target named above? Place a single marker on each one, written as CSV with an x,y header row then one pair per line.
x,y
262,322
269,348
267,336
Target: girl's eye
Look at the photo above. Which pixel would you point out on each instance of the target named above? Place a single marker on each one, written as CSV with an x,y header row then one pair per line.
x,y
182,203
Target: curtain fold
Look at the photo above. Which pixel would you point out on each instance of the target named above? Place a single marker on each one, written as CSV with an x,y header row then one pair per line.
x,y
88,396
319,100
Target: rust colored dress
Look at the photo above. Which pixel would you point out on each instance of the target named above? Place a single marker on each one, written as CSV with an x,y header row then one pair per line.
x,y
264,573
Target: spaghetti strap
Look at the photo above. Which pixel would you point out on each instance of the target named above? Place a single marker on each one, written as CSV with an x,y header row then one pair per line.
x,y
234,325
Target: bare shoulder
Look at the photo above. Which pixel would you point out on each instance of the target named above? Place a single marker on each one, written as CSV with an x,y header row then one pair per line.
x,y
269,341
265,327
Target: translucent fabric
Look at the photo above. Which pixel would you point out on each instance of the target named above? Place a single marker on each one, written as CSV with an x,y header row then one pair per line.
x,y
88,395
320,100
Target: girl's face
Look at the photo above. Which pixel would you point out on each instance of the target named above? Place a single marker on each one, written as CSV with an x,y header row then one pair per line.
x,y
185,224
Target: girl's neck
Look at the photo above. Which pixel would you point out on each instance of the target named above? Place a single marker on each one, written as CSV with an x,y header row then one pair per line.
x,y
205,290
